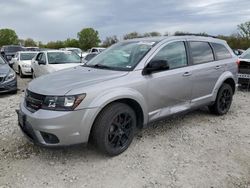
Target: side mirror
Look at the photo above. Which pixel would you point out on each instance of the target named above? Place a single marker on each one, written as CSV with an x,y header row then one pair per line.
x,y
41,62
155,66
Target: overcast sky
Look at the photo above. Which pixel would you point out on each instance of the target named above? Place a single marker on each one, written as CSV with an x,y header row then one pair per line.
x,y
46,20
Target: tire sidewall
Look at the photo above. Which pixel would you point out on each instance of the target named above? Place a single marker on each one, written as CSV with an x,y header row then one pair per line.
x,y
105,122
223,87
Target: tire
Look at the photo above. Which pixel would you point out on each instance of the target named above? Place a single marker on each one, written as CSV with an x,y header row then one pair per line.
x,y
20,72
114,129
33,74
223,100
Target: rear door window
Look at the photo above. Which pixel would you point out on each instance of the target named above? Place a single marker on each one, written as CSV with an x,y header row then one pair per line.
x,y
221,51
201,52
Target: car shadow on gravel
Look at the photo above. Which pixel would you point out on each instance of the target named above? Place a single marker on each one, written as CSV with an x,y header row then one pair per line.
x,y
25,150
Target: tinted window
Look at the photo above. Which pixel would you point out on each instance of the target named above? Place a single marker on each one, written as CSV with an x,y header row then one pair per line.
x,y
174,54
13,48
27,56
63,57
221,51
201,52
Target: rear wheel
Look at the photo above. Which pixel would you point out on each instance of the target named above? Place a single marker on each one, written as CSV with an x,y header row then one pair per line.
x,y
114,128
223,100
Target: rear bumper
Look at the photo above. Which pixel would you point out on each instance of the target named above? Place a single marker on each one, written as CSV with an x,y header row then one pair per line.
x,y
8,86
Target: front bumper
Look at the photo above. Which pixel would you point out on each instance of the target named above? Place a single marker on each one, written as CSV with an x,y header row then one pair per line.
x,y
56,128
26,70
8,86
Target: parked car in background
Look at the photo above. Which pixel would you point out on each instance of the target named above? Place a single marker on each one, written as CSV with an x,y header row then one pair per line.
x,y
89,56
53,60
238,52
9,51
96,50
21,63
32,48
8,80
129,85
244,69
76,50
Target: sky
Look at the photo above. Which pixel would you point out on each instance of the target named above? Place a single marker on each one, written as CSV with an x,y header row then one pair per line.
x,y
50,20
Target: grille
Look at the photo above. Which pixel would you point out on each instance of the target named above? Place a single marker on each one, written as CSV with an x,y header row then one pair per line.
x,y
244,67
34,101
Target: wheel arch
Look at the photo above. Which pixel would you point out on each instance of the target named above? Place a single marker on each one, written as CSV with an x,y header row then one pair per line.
x,y
226,77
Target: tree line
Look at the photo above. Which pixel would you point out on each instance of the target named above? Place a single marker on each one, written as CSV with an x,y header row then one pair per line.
x,y
89,37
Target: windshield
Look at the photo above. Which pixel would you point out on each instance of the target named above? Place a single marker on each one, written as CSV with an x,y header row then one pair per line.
x,y
246,54
27,56
63,57
121,56
14,48
1,61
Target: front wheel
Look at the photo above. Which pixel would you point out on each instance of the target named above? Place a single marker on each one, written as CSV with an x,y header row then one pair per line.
x,y
223,100
114,128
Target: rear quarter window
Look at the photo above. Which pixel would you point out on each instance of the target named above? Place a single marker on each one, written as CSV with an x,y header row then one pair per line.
x,y
201,52
221,51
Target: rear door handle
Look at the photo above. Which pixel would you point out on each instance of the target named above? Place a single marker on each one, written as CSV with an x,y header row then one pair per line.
x,y
187,74
218,67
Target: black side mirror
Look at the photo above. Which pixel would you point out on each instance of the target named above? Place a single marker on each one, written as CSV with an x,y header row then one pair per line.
x,y
155,66
41,62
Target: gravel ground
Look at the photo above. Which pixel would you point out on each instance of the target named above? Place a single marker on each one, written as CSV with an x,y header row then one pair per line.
x,y
195,150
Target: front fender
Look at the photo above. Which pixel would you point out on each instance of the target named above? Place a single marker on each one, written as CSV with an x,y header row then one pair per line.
x,y
220,81
115,94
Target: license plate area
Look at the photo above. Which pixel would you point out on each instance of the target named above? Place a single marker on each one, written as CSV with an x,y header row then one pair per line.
x,y
243,75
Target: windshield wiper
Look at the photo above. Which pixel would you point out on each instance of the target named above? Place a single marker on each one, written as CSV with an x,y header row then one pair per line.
x,y
99,66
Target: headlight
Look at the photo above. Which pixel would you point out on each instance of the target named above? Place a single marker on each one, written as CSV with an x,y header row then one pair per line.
x,y
11,76
26,65
62,103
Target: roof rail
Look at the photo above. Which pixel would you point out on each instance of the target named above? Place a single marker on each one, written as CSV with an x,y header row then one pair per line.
x,y
194,34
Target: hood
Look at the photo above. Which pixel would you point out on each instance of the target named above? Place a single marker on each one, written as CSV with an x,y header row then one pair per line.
x,y
61,82
57,67
26,62
4,69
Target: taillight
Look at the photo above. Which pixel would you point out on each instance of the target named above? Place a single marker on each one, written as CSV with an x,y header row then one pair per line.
x,y
238,62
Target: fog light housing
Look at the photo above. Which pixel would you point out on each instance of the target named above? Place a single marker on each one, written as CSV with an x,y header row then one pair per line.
x,y
50,138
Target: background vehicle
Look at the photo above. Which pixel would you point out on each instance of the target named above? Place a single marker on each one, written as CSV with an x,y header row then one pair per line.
x,y
76,50
96,50
9,51
53,60
244,69
89,57
238,52
32,48
130,84
8,81
21,63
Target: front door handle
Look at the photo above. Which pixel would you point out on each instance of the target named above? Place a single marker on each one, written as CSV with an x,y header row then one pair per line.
x,y
187,74
218,67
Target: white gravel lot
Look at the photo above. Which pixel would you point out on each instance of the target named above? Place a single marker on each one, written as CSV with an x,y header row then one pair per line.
x,y
195,150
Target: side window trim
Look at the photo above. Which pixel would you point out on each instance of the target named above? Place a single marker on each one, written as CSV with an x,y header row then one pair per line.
x,y
190,52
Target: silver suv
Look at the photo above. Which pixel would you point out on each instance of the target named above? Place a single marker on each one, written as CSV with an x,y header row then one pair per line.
x,y
130,84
